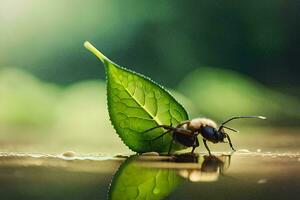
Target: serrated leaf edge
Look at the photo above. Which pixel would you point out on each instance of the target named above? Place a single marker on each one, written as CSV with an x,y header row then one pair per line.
x,y
106,63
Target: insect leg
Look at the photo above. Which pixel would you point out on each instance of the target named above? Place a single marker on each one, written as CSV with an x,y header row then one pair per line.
x,y
159,126
171,144
160,135
183,123
195,145
229,140
232,129
204,141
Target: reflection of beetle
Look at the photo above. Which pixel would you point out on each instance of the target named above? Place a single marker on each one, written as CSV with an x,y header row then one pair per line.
x,y
211,168
186,132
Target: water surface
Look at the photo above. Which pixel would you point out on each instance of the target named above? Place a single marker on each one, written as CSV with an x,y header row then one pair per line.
x,y
242,175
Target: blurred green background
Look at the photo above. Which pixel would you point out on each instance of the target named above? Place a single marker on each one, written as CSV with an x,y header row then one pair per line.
x,y
218,58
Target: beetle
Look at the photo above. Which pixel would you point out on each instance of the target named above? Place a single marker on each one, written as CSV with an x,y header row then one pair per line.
x,y
186,132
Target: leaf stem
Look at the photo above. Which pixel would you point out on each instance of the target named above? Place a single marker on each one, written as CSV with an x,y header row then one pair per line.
x,y
95,51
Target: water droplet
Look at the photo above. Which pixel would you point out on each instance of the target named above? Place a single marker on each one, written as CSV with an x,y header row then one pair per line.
x,y
262,181
152,153
69,154
244,151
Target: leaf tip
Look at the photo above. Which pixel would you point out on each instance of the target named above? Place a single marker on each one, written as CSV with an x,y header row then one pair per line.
x,y
261,117
95,51
87,44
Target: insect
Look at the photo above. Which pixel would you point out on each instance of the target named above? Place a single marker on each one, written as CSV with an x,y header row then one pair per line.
x,y
210,169
186,132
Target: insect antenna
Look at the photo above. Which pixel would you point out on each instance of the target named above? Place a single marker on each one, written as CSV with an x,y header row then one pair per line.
x,y
240,117
232,129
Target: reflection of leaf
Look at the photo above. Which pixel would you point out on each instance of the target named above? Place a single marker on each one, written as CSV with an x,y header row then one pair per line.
x,y
133,181
136,104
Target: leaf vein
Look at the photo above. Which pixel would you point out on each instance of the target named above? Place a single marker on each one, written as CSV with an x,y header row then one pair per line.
x,y
144,107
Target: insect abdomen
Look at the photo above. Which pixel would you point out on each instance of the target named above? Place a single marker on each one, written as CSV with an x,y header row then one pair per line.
x,y
186,141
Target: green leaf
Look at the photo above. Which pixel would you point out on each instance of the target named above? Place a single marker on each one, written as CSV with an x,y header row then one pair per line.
x,y
135,104
148,183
